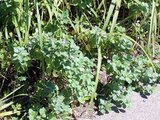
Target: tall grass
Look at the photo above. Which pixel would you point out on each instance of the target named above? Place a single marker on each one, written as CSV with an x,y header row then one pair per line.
x,y
153,29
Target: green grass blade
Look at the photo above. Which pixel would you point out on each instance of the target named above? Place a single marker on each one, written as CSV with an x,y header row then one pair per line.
x,y
11,93
151,27
115,17
134,41
110,12
39,24
5,105
8,113
17,28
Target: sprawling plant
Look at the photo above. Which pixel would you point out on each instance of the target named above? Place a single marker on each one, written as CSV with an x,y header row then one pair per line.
x,y
69,52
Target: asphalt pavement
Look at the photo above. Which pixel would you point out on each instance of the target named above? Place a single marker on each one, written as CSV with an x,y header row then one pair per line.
x,y
143,108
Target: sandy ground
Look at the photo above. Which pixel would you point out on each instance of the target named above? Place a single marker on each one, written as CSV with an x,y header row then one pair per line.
x,y
143,108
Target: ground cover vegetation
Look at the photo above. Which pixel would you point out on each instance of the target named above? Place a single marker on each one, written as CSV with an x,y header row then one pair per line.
x,y
56,55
